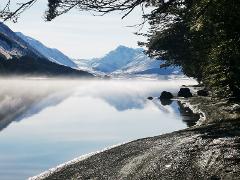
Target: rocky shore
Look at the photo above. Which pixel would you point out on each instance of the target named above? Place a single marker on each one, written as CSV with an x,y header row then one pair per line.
x,y
208,150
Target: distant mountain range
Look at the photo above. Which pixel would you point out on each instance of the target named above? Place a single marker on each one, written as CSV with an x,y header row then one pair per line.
x,y
23,55
126,61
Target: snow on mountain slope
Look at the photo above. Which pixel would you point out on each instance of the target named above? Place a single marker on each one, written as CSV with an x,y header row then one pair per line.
x,y
18,57
53,55
18,45
86,65
13,46
115,59
127,61
142,64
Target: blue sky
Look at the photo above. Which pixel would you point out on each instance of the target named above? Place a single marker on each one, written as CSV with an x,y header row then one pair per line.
x,y
79,34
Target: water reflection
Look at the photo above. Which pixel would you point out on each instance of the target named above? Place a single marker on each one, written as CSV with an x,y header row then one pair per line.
x,y
187,115
20,99
54,121
166,102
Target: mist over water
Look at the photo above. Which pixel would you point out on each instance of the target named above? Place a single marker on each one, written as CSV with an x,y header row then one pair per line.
x,y
45,122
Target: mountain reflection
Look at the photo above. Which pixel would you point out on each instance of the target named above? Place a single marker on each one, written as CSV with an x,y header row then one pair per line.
x,y
23,98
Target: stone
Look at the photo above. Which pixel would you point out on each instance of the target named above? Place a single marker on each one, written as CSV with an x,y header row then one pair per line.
x,y
185,92
150,98
166,95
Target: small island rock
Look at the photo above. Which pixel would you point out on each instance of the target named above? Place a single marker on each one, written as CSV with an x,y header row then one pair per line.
x,y
166,95
150,98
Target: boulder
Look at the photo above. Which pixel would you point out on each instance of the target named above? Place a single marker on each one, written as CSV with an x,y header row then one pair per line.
x,y
202,92
166,95
166,102
150,98
185,92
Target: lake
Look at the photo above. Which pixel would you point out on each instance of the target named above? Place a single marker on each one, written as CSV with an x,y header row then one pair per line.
x,y
45,122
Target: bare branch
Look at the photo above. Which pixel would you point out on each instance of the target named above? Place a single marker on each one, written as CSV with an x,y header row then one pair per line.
x,y
6,13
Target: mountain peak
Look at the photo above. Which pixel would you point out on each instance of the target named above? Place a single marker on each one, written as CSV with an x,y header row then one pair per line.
x,y
126,60
122,47
126,48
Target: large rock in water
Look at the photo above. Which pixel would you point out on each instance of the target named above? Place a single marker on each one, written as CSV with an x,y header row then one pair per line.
x,y
150,98
185,92
166,102
165,98
166,95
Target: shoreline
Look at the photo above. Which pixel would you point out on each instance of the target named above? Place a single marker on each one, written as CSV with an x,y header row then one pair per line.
x,y
144,152
194,109
58,168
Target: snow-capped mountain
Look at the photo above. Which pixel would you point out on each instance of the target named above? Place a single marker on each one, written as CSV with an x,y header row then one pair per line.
x,y
51,54
18,57
116,59
121,61
13,46
126,61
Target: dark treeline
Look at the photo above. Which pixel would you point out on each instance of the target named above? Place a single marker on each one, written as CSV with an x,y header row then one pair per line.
x,y
204,38
201,36
27,65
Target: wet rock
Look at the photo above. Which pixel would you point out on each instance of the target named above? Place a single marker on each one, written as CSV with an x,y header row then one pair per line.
x,y
166,102
165,98
150,98
202,92
185,92
166,95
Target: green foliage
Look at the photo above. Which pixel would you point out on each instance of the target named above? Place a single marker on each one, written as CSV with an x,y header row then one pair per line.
x,y
204,38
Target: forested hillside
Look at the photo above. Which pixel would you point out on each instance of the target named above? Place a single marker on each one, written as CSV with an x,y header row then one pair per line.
x,y
28,65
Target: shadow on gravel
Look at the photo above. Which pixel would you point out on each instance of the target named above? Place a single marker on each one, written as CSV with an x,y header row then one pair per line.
x,y
227,128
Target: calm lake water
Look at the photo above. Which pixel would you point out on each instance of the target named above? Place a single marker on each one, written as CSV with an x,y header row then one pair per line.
x,y
46,122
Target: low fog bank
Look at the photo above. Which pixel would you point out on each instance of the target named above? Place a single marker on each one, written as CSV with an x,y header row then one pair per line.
x,y
20,94
21,97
